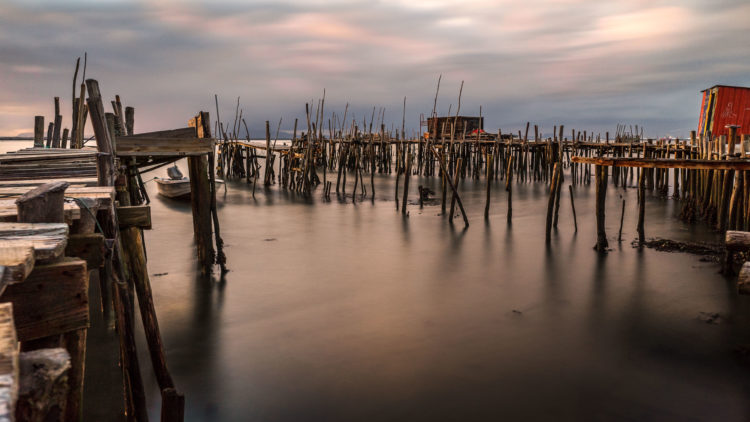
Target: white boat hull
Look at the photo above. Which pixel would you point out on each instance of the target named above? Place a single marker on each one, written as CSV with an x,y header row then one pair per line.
x,y
176,189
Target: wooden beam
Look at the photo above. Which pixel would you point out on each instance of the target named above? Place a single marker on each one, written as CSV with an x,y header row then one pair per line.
x,y
52,300
47,239
737,240
185,132
138,146
18,260
89,247
136,215
103,194
74,181
665,163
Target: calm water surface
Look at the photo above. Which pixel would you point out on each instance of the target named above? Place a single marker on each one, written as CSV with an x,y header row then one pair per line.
x,y
341,311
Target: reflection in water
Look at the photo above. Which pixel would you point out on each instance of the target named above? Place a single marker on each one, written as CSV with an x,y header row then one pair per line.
x,y
334,311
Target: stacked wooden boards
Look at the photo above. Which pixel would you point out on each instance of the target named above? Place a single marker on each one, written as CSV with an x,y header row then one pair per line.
x,y
48,163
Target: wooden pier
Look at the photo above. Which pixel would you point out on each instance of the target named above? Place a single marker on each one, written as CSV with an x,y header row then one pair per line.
x,y
67,213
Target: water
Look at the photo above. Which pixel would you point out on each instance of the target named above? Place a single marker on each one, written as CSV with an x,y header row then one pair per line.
x,y
336,311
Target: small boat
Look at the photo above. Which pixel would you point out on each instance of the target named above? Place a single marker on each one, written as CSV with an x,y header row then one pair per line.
x,y
176,186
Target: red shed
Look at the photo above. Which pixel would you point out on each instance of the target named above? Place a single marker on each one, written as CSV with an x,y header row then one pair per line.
x,y
724,105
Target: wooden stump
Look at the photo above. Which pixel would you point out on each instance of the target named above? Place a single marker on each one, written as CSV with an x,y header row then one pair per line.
x,y
43,204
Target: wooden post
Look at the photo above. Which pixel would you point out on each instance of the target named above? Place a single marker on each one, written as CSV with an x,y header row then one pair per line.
x,y
509,188
601,195
203,127
132,383
489,185
551,201
622,217
43,204
573,206
129,120
50,130
407,173
64,140
38,131
451,184
58,125
453,197
201,203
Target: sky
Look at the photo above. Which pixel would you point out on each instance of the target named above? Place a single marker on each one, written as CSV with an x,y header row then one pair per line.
x,y
586,64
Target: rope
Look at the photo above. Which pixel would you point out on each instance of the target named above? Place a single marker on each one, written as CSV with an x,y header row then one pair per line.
x,y
81,203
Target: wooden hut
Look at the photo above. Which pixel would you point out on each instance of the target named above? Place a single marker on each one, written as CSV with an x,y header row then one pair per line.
x,y
724,105
441,126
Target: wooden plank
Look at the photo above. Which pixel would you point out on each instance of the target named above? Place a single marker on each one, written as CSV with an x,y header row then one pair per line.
x,y
9,379
52,300
665,163
7,159
136,215
185,132
143,146
90,247
74,181
737,240
47,239
18,259
104,195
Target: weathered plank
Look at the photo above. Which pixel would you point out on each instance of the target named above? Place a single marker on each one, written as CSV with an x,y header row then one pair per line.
x,y
52,300
8,363
47,239
665,163
74,181
136,215
18,259
103,195
735,240
185,132
145,146
80,156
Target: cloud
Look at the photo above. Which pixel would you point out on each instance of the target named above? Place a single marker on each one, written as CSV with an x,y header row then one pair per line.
x,y
575,62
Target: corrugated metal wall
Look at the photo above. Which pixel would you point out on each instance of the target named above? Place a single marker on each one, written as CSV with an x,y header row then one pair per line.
x,y
722,106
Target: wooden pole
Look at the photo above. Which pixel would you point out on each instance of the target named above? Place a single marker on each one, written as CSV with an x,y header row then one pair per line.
x,y
573,207
601,195
509,188
622,217
407,173
38,131
58,125
452,185
489,185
